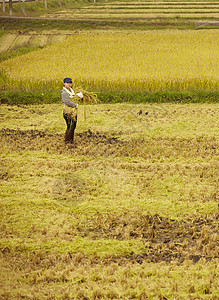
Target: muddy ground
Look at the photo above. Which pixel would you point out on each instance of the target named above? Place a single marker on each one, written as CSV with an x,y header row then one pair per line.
x,y
165,240
90,143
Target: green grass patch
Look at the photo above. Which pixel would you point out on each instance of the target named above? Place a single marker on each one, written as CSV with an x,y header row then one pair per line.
x,y
38,7
16,98
158,97
2,32
30,24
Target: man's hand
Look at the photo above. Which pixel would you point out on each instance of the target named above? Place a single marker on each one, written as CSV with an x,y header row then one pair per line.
x,y
80,95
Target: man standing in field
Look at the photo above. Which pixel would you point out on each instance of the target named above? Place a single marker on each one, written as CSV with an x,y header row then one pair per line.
x,y
69,109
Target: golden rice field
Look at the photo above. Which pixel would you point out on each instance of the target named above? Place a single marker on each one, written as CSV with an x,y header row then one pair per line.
x,y
129,212
114,61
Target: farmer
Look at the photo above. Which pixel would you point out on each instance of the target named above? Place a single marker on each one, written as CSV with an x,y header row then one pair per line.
x,y
69,109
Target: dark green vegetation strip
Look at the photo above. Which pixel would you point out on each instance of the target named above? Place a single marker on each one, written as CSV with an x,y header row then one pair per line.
x,y
43,24
159,97
15,98
1,32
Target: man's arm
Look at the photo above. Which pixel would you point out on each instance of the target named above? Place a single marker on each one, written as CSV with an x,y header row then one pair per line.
x,y
65,99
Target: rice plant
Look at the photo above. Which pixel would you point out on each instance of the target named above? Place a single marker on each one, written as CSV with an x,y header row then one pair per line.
x,y
138,61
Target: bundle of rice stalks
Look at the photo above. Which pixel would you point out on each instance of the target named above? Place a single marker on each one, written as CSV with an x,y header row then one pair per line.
x,y
88,98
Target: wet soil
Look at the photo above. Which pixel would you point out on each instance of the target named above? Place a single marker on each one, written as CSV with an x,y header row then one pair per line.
x,y
86,136
165,239
93,143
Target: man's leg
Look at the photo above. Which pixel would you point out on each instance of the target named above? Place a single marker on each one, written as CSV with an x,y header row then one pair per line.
x,y
68,131
72,130
67,136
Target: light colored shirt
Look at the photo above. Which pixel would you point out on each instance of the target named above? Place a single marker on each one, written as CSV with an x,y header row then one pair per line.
x,y
66,100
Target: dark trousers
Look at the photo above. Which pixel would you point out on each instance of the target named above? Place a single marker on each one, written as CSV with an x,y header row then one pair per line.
x,y
71,124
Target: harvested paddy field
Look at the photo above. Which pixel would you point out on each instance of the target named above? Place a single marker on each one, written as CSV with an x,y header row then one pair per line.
x,y
130,211
122,10
141,10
